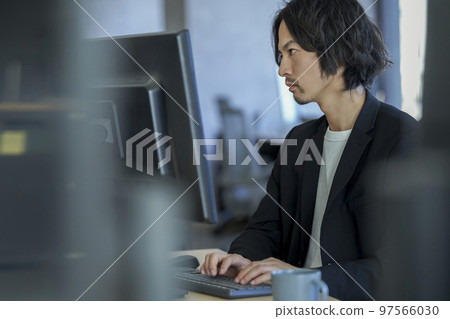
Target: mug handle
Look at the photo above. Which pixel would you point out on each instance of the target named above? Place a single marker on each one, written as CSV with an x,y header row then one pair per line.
x,y
323,288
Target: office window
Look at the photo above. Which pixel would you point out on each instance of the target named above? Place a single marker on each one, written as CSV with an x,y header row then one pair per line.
x,y
413,16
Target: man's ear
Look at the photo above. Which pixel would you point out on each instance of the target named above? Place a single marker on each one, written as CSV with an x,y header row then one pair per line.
x,y
340,70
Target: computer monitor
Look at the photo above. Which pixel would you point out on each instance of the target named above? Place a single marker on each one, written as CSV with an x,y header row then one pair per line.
x,y
145,106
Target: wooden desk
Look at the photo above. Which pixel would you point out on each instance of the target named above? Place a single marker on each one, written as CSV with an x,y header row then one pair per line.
x,y
195,296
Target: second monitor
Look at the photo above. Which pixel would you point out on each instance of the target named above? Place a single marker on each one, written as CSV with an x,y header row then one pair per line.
x,y
144,97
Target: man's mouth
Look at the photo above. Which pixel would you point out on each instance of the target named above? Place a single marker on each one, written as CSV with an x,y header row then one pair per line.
x,y
292,87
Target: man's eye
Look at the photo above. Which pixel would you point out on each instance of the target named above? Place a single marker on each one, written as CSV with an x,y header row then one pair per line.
x,y
292,51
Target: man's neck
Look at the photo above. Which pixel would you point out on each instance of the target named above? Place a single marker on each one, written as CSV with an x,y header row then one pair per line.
x,y
342,108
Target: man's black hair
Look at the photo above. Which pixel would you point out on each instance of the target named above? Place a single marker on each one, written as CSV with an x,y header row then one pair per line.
x,y
316,24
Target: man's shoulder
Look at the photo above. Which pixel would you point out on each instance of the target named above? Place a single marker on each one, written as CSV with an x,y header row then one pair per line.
x,y
393,115
395,129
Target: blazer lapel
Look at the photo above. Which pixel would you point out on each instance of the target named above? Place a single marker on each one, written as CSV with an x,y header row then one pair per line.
x,y
350,158
356,144
308,190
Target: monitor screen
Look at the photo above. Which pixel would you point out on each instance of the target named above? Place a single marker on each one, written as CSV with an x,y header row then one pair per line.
x,y
145,108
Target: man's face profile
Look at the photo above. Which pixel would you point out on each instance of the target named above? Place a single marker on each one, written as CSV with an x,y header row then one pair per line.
x,y
296,63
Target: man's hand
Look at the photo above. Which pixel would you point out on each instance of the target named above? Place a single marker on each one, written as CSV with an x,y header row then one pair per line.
x,y
242,268
223,264
260,271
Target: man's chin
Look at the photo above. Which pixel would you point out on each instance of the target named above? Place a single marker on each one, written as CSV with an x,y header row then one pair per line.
x,y
301,101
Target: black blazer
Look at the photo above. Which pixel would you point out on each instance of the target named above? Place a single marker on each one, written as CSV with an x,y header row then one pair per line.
x,y
381,133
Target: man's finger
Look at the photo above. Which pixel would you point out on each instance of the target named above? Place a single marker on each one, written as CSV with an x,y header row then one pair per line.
x,y
240,276
226,263
214,260
203,267
206,265
257,270
262,278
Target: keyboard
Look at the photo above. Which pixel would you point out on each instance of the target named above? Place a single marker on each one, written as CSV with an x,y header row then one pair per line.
x,y
219,286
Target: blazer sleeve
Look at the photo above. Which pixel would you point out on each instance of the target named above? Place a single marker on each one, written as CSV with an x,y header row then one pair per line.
x,y
262,235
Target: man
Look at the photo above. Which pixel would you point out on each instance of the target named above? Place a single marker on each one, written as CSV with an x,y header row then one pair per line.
x,y
318,216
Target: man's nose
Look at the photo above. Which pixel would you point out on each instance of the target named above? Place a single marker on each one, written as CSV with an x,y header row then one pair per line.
x,y
284,69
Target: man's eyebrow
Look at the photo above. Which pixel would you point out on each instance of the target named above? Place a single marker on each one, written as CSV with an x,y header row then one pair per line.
x,y
285,46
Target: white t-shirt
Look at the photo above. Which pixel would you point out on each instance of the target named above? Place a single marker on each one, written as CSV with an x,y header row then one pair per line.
x,y
333,146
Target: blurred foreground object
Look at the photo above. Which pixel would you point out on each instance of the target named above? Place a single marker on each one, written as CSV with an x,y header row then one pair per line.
x,y
63,220
415,200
